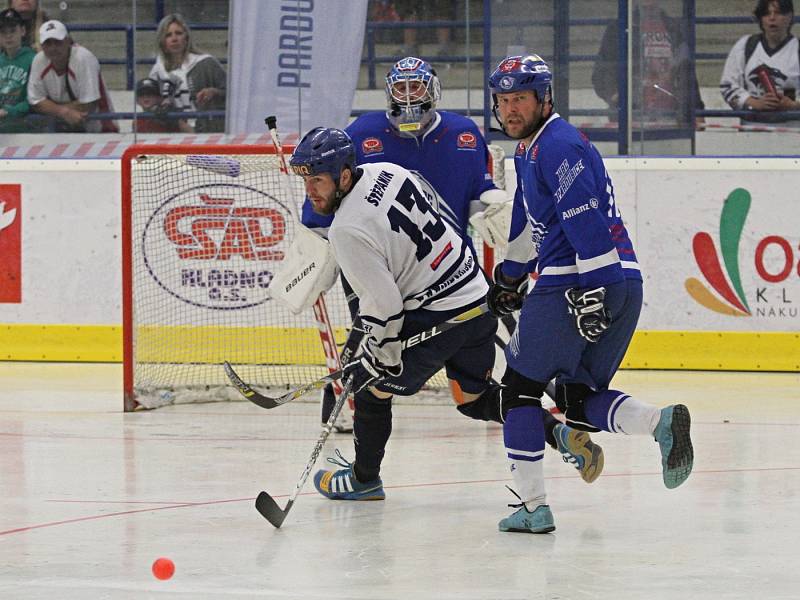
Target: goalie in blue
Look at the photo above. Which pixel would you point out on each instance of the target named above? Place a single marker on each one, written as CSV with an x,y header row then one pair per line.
x,y
577,322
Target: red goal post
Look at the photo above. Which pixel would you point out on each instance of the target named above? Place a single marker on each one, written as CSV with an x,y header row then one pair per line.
x,y
203,229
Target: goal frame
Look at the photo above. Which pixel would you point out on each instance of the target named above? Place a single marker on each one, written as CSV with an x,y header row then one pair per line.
x,y
130,154
129,396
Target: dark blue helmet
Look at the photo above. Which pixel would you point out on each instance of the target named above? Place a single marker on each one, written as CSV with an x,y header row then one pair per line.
x,y
517,73
324,150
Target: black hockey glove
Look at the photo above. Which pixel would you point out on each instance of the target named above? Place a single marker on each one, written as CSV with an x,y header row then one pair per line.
x,y
504,298
366,371
591,316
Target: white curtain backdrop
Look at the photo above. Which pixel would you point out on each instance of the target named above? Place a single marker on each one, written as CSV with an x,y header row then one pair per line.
x,y
296,59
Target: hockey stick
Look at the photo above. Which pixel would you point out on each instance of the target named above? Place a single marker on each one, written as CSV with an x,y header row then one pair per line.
x,y
270,402
320,308
265,504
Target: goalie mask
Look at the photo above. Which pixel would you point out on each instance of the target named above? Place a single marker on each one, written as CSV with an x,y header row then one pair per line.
x,y
412,91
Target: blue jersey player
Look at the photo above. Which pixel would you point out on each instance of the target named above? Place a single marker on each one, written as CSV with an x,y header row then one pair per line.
x,y
579,318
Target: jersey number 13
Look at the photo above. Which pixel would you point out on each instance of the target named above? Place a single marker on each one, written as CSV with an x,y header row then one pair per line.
x,y
408,198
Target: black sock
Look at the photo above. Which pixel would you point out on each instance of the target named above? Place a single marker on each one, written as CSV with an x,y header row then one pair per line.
x,y
372,426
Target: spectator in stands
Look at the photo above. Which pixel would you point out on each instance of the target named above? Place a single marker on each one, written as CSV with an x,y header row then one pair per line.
x,y
15,66
32,18
431,10
664,83
762,71
383,11
199,78
65,83
158,98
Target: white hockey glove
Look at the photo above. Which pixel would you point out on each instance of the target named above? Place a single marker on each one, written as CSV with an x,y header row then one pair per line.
x,y
308,270
494,222
591,316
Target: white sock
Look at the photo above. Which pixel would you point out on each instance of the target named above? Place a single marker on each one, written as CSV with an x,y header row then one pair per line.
x,y
529,482
634,417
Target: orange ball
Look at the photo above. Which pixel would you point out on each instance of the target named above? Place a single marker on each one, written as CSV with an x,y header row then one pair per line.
x,y
163,568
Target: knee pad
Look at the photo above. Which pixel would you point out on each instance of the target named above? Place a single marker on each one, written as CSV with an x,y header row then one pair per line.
x,y
572,396
517,390
486,407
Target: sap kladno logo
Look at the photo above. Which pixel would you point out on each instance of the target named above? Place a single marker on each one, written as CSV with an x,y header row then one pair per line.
x,y
215,246
725,277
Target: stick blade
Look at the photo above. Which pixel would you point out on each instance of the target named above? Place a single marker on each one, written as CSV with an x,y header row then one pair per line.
x,y
245,390
270,510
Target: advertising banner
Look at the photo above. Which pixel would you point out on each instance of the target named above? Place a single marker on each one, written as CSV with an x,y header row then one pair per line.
x,y
719,248
718,241
296,59
10,243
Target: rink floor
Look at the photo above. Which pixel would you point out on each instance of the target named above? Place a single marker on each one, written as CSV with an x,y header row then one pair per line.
x,y
90,496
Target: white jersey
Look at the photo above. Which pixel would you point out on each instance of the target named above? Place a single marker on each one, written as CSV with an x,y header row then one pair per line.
x,y
180,78
82,82
740,79
399,255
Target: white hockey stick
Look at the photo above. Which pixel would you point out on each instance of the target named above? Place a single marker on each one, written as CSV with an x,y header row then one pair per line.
x,y
333,362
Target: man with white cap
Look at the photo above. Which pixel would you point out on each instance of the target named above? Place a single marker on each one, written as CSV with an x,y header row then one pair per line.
x,y
65,82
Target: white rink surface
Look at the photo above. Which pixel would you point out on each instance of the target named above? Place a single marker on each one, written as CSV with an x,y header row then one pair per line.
x,y
90,496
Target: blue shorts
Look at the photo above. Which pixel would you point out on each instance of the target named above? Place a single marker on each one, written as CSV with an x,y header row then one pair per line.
x,y
466,352
547,345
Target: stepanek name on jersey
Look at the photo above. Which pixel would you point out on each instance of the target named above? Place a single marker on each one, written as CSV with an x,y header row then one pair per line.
x,y
381,183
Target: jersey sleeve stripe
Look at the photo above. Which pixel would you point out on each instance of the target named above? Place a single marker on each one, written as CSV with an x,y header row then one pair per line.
x,y
598,262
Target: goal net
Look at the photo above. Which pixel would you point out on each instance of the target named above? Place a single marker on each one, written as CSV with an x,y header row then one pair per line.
x,y
204,229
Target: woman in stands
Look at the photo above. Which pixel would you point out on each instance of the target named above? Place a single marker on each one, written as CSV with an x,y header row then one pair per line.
x,y
32,19
200,80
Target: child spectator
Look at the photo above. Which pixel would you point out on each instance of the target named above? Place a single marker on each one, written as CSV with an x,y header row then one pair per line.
x,y
15,66
762,71
200,78
158,97
65,82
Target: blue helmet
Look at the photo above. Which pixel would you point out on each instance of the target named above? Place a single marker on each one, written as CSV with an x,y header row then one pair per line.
x,y
517,73
324,150
412,91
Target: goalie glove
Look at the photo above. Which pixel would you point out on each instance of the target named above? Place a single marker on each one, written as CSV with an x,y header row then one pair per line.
x,y
365,371
506,296
494,222
591,316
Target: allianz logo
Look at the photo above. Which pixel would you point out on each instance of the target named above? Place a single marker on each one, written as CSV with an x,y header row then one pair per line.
x,y
572,212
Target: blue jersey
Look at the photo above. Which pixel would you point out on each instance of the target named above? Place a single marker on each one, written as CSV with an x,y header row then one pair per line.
x,y
565,221
451,156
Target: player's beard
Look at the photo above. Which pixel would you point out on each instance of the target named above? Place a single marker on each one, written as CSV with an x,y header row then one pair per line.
x,y
530,128
331,204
